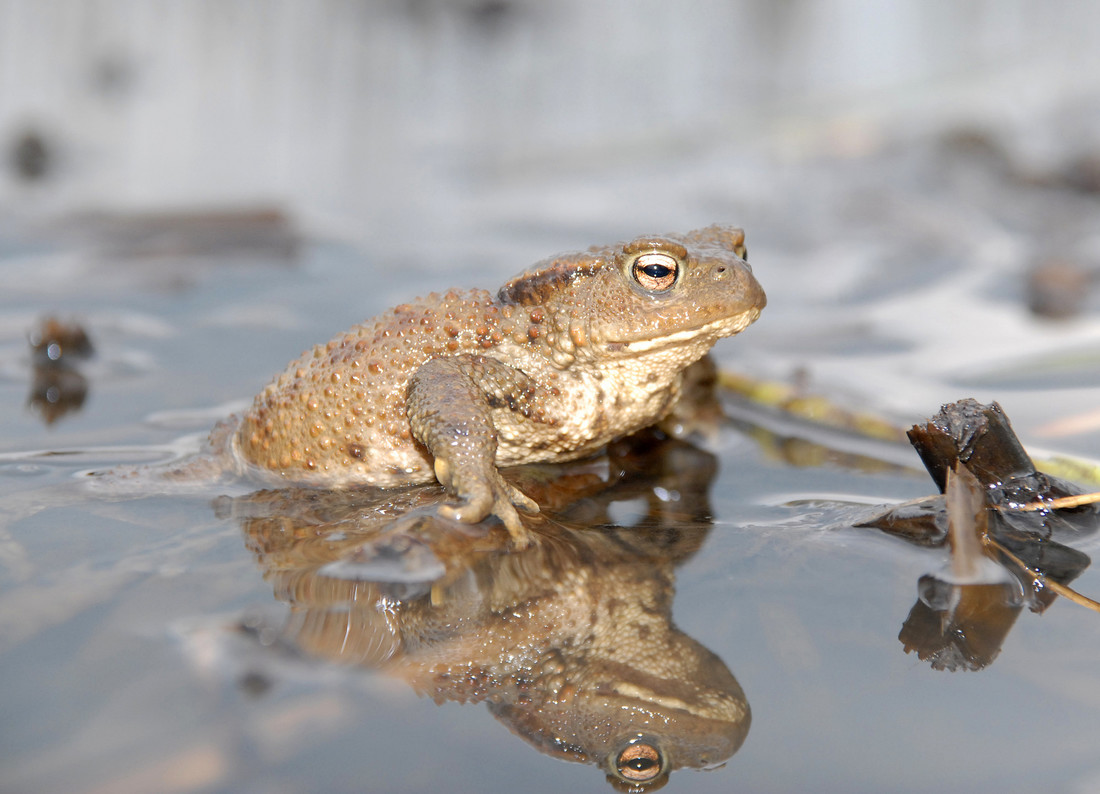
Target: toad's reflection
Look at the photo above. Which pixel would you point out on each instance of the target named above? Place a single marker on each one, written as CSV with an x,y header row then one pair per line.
x,y
570,643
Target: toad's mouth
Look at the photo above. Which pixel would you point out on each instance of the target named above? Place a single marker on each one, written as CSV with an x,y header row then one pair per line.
x,y
718,329
725,709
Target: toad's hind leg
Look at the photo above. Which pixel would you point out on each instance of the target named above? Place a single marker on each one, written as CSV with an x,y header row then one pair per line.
x,y
449,404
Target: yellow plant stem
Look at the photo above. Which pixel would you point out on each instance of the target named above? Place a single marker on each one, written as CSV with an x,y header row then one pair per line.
x,y
1061,503
1059,589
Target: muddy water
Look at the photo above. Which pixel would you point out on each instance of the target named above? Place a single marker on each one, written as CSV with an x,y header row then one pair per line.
x,y
713,602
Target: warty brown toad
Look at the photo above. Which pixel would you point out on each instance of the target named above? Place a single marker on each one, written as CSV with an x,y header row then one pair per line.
x,y
579,350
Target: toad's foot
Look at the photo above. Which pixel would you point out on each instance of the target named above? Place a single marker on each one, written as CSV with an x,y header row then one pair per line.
x,y
449,405
484,495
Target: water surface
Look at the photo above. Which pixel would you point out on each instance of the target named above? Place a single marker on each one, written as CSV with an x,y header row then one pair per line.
x,y
203,640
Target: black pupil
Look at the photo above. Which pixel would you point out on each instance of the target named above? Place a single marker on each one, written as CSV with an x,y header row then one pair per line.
x,y
641,764
656,271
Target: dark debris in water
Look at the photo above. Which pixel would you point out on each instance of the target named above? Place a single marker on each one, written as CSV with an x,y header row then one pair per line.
x,y
56,343
960,620
57,350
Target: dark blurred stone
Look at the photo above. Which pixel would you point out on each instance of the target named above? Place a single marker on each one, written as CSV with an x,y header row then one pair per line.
x,y
112,75
31,156
1083,174
491,16
254,684
1057,288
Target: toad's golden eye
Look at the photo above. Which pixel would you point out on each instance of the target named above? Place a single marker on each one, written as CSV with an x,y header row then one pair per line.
x,y
655,271
639,762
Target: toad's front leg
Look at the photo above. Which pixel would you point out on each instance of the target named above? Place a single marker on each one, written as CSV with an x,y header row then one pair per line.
x,y
449,403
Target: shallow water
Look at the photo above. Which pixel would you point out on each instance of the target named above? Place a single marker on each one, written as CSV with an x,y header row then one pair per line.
x,y
204,641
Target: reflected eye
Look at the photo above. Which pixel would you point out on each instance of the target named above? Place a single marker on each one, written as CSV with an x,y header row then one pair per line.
x,y
655,271
639,762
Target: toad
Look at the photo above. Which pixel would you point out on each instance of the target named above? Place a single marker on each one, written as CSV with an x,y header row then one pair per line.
x,y
581,349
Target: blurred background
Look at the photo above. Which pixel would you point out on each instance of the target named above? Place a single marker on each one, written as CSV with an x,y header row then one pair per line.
x,y
384,118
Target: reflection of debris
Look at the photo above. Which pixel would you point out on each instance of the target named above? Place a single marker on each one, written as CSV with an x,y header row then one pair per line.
x,y
957,627
56,392
795,401
808,431
985,474
56,349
